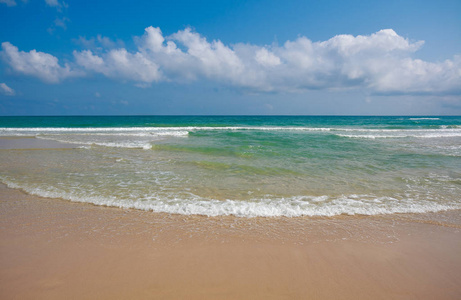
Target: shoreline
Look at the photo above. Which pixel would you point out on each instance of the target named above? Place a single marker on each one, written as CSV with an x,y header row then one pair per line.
x,y
55,249
24,156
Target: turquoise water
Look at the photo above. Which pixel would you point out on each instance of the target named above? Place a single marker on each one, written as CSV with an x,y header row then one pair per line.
x,y
245,165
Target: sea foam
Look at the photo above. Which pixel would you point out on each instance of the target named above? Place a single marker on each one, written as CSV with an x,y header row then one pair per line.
x,y
296,206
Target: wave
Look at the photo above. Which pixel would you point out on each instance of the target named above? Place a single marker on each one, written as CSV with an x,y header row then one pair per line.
x,y
140,131
404,135
131,145
100,130
154,129
417,119
145,137
296,206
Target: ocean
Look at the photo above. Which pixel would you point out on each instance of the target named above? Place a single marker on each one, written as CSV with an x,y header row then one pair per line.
x,y
245,166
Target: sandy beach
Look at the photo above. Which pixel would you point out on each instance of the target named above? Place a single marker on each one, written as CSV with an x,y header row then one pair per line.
x,y
55,249
258,150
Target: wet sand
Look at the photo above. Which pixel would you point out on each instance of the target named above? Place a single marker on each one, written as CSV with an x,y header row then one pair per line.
x,y
55,249
30,143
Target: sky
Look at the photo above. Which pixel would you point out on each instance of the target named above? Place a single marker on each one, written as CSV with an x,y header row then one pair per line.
x,y
230,57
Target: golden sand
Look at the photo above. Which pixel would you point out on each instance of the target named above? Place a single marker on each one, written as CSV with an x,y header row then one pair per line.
x,y
54,249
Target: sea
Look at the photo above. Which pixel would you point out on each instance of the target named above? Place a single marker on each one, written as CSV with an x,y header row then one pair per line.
x,y
243,166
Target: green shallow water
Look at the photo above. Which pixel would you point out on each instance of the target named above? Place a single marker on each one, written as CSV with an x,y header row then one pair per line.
x,y
245,166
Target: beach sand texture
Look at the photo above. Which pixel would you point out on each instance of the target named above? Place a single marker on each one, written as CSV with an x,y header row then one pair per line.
x,y
54,249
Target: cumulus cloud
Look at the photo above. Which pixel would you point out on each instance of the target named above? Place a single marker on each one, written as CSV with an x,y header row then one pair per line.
x,y
6,89
266,58
381,62
42,65
119,63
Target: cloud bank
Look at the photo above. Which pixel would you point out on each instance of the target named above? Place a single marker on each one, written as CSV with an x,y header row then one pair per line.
x,y
381,62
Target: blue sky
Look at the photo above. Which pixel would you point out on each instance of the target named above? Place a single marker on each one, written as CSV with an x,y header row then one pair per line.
x,y
230,57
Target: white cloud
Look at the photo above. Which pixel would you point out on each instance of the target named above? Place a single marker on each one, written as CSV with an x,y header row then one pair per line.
x,y
119,63
7,90
385,40
202,59
105,41
213,60
9,2
381,62
266,58
38,64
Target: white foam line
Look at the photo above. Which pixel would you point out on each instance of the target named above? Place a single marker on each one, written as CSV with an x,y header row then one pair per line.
x,y
144,134
426,136
134,145
166,130
293,207
399,130
154,129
